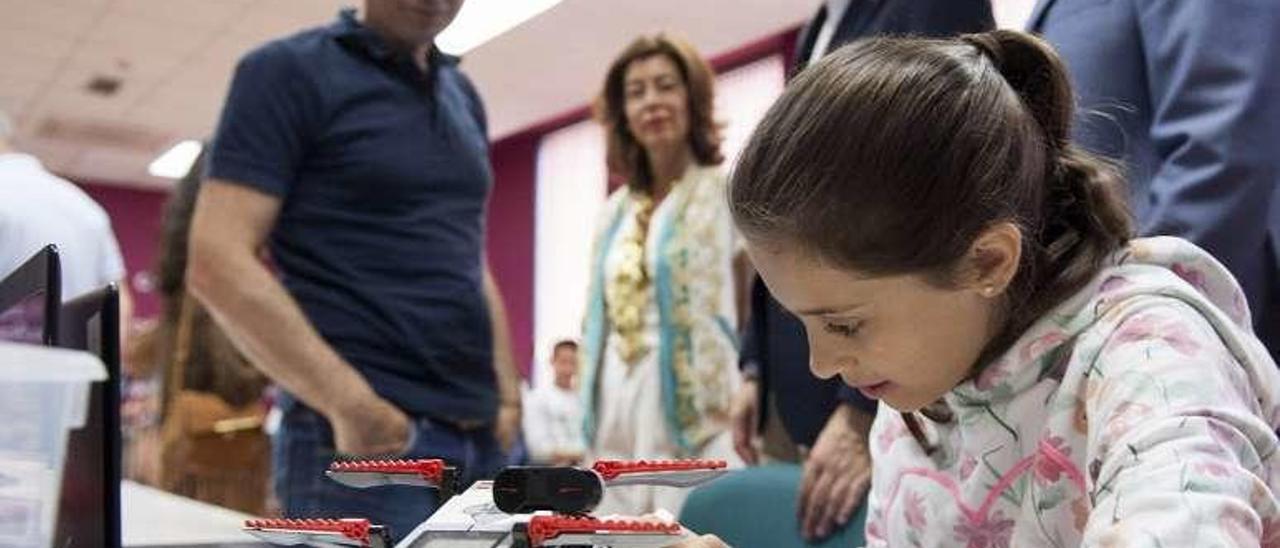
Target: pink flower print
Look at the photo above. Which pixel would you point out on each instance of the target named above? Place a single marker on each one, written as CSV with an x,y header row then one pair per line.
x,y
1126,417
1113,283
1271,533
1048,470
1148,327
1042,344
967,466
896,429
1191,275
1213,468
991,376
914,510
1137,328
1228,438
874,528
991,532
1237,523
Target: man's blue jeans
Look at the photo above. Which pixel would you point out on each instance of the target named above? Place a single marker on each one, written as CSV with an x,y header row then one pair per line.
x,y
303,449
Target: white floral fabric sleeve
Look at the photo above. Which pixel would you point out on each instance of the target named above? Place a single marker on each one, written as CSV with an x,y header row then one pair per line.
x,y
1177,453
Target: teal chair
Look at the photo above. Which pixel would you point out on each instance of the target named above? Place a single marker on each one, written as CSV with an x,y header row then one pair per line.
x,y
757,507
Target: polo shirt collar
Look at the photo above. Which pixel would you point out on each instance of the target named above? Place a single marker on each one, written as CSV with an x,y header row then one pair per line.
x,y
350,32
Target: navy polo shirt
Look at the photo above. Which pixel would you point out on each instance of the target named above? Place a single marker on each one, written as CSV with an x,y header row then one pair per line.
x,y
382,172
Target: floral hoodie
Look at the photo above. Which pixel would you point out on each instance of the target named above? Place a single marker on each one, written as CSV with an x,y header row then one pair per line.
x,y
1140,412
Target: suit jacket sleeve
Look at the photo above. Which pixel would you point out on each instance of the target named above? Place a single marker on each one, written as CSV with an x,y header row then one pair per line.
x,y
753,332
1215,96
753,345
952,17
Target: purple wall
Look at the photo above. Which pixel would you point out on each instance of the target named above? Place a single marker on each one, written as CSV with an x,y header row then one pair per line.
x,y
510,236
135,217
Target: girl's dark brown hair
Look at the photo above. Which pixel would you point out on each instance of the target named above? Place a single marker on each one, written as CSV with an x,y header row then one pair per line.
x,y
625,155
891,155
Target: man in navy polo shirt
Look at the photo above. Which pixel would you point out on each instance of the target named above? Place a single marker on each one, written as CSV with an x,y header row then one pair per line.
x,y
355,153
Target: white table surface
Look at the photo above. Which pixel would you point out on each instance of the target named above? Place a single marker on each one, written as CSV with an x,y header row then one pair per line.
x,y
155,518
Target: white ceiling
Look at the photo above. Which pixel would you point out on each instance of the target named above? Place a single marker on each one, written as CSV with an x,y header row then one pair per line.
x,y
174,58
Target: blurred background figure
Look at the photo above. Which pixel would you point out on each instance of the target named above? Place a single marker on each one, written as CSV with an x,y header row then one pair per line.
x,y
659,348
553,412
207,398
782,409
1186,96
38,208
140,404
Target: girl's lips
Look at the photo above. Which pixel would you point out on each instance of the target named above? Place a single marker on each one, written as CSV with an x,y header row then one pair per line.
x,y
653,125
874,391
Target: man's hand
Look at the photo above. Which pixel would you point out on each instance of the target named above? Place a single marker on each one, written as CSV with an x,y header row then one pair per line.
x,y
837,473
507,429
744,415
370,426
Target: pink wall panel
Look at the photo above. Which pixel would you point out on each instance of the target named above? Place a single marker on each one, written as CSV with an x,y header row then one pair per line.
x,y
511,233
135,217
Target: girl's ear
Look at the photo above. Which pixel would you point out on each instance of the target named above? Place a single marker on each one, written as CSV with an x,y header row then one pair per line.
x,y
992,260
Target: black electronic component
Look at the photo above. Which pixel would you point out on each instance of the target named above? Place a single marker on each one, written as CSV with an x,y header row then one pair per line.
x,y
564,490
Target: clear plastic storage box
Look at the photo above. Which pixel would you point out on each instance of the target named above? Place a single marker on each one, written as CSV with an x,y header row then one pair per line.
x,y
43,394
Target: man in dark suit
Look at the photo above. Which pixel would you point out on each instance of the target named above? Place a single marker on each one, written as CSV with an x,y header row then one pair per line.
x,y
1187,95
847,20
827,416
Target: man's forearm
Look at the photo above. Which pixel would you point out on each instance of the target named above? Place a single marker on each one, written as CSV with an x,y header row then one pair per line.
x,y
504,362
268,326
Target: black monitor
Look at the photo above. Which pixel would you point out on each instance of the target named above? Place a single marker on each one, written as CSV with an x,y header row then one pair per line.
x,y
29,299
89,508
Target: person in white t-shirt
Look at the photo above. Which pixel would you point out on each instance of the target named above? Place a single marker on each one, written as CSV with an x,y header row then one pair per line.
x,y
553,412
38,208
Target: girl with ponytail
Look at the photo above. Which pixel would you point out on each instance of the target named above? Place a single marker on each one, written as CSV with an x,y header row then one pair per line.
x,y
1047,379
